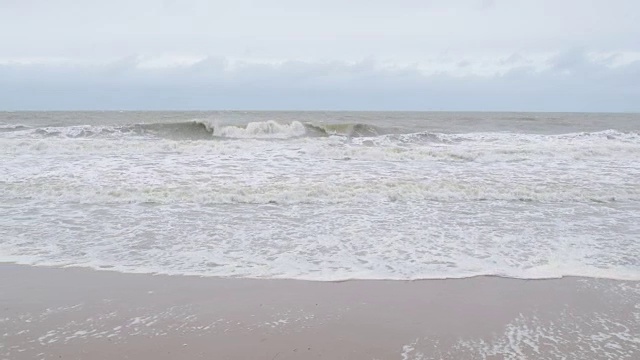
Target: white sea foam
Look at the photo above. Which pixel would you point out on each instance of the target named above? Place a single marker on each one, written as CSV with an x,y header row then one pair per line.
x,y
320,202
259,129
602,336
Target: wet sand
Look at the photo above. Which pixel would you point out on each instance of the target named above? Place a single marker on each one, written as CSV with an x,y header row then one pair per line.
x,y
72,313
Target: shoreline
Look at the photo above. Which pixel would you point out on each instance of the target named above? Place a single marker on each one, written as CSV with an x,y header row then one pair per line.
x,y
74,313
223,277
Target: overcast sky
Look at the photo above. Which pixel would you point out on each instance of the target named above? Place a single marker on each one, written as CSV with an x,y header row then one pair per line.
x,y
537,55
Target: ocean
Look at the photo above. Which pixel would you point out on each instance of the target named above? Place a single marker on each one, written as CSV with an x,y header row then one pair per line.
x,y
323,196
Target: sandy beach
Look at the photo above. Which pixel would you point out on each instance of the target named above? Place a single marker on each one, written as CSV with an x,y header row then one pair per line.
x,y
73,313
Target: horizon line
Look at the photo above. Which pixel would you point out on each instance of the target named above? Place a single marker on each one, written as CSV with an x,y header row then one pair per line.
x,y
323,110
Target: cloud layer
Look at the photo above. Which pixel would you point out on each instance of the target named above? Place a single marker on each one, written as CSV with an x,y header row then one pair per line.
x,y
367,55
571,81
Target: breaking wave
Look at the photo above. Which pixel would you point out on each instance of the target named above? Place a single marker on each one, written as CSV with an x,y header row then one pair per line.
x,y
265,130
260,129
203,130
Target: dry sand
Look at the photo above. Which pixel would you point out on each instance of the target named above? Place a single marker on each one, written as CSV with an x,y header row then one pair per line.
x,y
49,313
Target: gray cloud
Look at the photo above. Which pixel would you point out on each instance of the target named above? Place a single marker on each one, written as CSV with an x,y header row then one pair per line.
x,y
571,82
420,54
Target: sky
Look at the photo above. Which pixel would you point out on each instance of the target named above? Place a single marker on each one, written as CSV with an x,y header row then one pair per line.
x,y
458,55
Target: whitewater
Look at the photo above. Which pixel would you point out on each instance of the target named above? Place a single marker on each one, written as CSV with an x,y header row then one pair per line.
x,y
323,195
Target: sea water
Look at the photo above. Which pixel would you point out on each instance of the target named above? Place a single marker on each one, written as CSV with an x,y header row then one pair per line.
x,y
323,195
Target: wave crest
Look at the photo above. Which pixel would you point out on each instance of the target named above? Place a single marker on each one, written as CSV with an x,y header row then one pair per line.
x,y
277,130
259,129
202,129
205,129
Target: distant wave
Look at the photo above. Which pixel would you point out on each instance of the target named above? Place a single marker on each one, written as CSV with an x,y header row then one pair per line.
x,y
276,130
199,129
205,129
12,127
